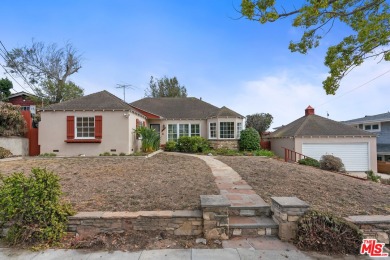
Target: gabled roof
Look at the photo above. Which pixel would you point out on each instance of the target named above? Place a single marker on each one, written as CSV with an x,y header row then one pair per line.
x,y
182,108
375,118
102,100
22,93
225,112
314,125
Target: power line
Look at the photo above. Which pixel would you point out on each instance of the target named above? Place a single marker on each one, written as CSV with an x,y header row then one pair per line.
x,y
371,80
14,79
17,68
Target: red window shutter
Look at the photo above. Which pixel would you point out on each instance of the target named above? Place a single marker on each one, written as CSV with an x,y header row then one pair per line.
x,y
98,127
70,127
136,123
144,123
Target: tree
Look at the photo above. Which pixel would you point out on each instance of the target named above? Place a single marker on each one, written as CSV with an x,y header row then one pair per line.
x,y
368,20
5,88
68,90
40,64
261,122
165,87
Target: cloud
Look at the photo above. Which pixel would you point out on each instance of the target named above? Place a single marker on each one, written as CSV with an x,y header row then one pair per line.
x,y
286,93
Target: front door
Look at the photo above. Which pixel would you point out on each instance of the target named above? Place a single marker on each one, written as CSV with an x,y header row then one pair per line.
x,y
156,127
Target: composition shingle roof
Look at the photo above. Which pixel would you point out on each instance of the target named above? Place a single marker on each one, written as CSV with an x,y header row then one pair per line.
x,y
182,108
314,125
374,118
102,100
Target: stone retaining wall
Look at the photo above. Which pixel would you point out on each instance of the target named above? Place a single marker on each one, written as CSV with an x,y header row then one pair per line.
x,y
180,222
373,226
286,213
229,144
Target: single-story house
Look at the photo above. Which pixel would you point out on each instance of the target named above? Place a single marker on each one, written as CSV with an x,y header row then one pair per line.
x,y
314,136
102,122
175,117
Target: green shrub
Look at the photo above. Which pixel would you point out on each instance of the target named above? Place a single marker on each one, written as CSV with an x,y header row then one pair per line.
x,y
331,163
372,177
310,162
249,140
105,154
323,232
262,152
32,207
150,139
192,144
4,153
48,155
122,154
170,146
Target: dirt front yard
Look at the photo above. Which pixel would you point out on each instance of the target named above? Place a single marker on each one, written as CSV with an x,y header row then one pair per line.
x,y
323,190
162,182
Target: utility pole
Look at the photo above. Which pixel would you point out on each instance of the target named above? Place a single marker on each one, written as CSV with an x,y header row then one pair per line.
x,y
125,86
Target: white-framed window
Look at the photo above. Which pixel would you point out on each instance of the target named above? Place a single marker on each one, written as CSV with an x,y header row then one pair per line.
x,y
213,130
195,130
172,132
226,130
372,127
177,130
184,130
85,127
239,128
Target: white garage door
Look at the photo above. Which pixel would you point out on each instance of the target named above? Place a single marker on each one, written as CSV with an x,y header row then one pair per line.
x,y
354,155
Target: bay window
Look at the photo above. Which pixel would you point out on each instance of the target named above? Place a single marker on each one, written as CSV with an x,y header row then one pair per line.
x,y
226,130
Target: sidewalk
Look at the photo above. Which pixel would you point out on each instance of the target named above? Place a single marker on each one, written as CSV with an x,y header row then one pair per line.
x,y
182,254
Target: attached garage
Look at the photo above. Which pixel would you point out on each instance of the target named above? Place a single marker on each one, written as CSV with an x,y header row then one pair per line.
x,y
353,155
314,136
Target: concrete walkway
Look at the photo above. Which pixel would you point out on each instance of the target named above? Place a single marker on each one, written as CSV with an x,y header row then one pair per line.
x,y
231,185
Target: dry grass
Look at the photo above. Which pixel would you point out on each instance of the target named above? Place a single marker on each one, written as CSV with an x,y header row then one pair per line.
x,y
162,182
323,190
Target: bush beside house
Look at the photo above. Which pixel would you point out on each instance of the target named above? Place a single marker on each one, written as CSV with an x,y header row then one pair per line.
x,y
331,163
12,122
249,140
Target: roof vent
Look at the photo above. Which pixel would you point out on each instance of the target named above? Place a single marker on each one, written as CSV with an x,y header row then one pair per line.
x,y
309,111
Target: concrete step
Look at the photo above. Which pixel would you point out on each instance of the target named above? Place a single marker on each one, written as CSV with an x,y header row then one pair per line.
x,y
252,226
248,205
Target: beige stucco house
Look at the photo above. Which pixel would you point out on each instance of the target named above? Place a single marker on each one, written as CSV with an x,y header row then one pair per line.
x,y
175,117
101,122
314,136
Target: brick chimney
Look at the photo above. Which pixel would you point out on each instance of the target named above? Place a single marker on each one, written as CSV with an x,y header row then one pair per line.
x,y
309,111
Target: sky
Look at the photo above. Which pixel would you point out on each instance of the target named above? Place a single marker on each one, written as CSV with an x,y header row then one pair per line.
x,y
226,61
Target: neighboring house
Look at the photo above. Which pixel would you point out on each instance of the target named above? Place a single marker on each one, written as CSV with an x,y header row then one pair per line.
x,y
23,99
379,125
175,117
314,136
102,122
